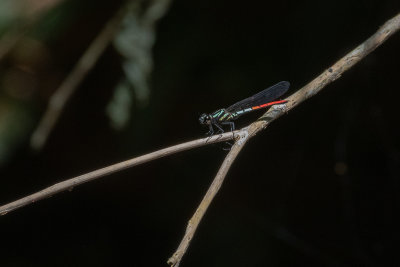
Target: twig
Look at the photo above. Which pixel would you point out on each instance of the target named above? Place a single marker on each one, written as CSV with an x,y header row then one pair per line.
x,y
328,76
69,85
209,196
87,177
312,88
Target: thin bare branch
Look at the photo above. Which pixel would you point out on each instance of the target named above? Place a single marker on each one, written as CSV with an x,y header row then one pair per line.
x,y
208,197
334,72
87,177
328,76
70,84
311,89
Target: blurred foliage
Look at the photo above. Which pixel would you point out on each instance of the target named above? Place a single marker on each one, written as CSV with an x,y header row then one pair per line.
x,y
326,192
119,108
8,12
135,42
30,68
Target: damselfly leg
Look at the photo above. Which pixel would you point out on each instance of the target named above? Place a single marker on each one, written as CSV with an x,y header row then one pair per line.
x,y
230,123
211,128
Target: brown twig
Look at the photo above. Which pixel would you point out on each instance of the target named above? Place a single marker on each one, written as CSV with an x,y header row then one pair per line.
x,y
312,88
328,76
70,84
208,197
87,177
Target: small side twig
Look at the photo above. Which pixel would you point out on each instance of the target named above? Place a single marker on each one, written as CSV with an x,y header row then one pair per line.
x,y
208,197
311,89
70,84
87,177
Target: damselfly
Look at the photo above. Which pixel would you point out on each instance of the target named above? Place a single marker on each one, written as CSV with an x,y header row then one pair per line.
x,y
260,100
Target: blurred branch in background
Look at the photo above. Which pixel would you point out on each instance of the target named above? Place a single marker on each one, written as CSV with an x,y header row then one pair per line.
x,y
59,99
28,73
134,41
138,76
312,88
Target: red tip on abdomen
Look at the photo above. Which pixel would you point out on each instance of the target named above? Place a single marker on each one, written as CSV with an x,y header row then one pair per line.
x,y
270,104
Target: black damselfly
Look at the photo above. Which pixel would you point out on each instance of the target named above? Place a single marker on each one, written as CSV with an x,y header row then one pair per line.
x,y
260,100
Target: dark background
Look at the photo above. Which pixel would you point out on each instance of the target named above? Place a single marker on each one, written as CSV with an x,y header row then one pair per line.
x,y
319,187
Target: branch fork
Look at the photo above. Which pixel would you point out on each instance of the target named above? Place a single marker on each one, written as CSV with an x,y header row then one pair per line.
x,y
241,137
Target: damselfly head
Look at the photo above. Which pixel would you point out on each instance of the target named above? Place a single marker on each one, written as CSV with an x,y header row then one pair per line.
x,y
204,119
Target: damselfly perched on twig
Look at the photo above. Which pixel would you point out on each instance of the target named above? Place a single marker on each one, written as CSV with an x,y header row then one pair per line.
x,y
260,100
